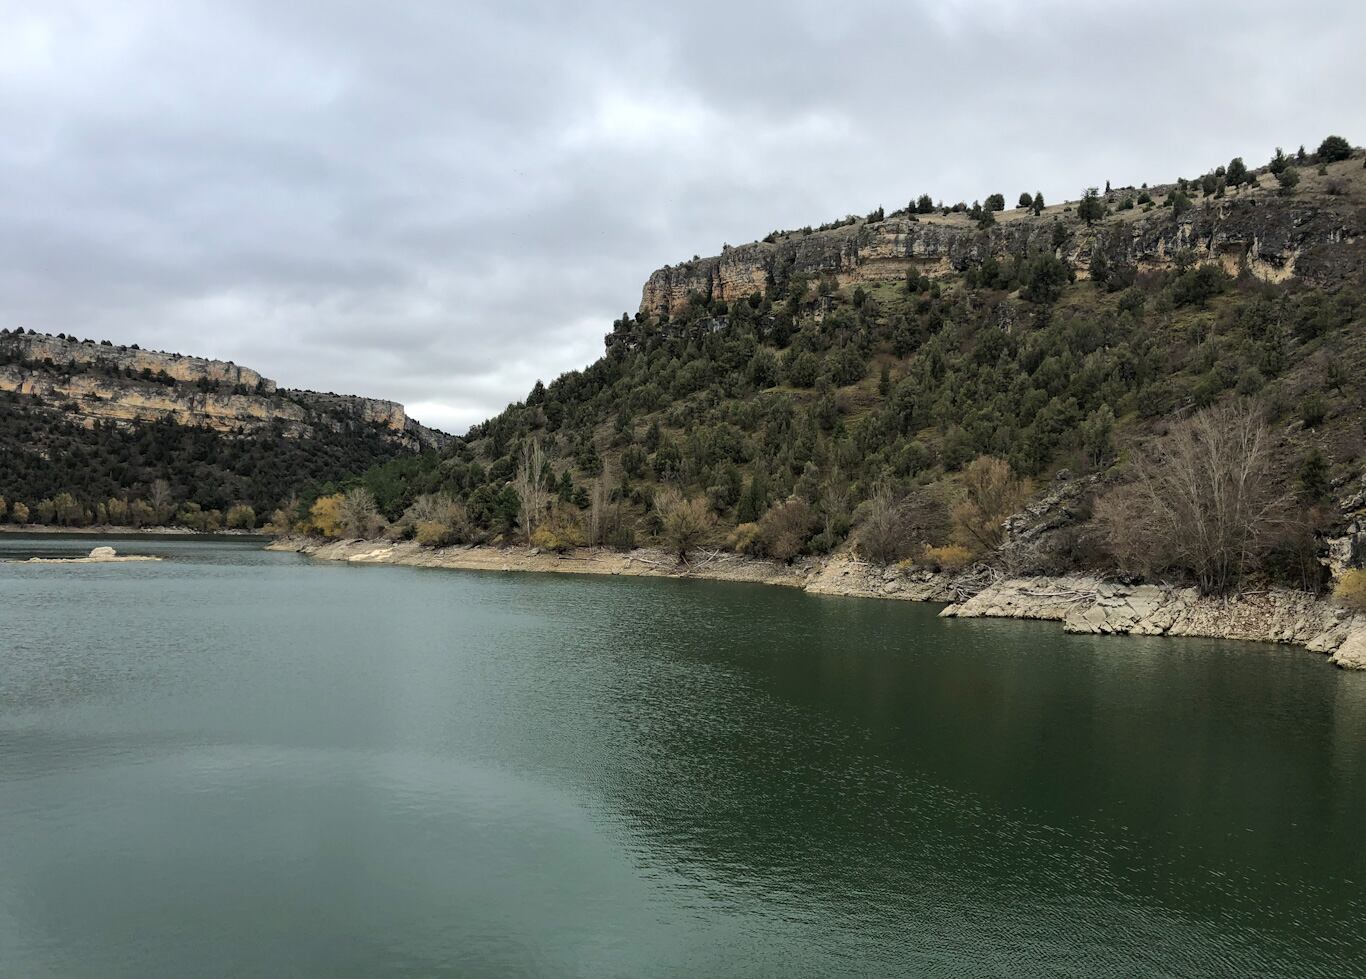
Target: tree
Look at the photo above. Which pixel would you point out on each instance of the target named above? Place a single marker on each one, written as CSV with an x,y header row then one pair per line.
x,y
784,530
161,500
991,493
995,202
241,517
1289,179
1038,202
685,524
1090,208
599,498
358,514
1332,149
924,205
324,516
1207,500
880,534
1279,162
531,486
1026,200
18,513
1237,174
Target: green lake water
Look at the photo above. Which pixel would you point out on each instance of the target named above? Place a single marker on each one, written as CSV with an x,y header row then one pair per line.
x,y
235,762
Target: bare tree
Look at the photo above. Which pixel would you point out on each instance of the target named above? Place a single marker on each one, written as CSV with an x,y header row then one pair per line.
x,y
834,504
879,534
991,493
1206,496
687,524
159,496
358,515
599,498
530,483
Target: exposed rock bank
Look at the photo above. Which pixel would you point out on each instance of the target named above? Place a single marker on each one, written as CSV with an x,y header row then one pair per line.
x,y
833,576
1089,605
97,555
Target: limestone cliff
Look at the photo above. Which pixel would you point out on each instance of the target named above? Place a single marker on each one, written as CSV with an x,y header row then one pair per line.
x,y
1312,234
92,382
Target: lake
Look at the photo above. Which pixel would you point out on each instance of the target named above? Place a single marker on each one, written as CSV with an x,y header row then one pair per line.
x,y
237,762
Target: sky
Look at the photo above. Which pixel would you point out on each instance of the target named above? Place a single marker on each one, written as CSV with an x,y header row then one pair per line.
x,y
439,203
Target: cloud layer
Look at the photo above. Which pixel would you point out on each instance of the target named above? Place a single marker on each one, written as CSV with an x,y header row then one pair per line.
x,y
441,203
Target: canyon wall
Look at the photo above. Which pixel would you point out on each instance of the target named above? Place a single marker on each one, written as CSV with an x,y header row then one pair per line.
x,y
92,382
1313,234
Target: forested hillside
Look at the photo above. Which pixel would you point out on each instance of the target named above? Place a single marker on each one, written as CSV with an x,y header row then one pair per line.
x,y
907,412
93,433
1152,382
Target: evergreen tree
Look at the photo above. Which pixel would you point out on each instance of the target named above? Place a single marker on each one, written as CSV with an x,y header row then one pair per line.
x,y
1090,209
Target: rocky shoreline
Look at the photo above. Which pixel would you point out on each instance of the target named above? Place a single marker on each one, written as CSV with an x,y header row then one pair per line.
x,y
1081,604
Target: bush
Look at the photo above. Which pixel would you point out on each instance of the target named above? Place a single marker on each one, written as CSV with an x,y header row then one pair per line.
x,y
785,529
1332,149
684,524
1198,285
433,533
744,539
241,517
991,493
1351,589
560,533
950,557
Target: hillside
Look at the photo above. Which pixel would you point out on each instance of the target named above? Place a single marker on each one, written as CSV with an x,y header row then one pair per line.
x,y
900,384
946,385
91,427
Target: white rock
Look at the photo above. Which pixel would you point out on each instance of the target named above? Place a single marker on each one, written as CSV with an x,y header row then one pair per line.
x,y
102,553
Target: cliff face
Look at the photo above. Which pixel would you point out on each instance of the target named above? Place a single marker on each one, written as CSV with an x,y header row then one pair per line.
x,y
97,382
1313,234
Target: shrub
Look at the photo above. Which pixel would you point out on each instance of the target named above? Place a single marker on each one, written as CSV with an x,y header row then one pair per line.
x,y
785,529
1196,286
950,557
241,517
744,539
991,493
1332,149
684,524
1351,589
560,533
433,533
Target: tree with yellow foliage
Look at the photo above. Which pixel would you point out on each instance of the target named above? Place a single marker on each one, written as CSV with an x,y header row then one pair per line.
x,y
325,516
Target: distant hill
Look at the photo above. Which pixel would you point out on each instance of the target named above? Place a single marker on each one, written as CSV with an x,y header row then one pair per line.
x,y
899,384
104,423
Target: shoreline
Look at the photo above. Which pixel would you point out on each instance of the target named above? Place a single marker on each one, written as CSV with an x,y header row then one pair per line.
x,y
111,530
1079,603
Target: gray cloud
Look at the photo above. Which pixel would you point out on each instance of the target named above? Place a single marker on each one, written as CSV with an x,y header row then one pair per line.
x,y
440,203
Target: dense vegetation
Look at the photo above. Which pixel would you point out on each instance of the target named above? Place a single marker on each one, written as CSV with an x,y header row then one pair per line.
x,y
55,470
909,419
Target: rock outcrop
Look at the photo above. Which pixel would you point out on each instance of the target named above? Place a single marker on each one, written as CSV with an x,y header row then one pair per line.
x,y
93,382
1314,235
1090,605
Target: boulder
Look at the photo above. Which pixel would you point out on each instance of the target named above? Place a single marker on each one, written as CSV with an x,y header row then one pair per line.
x,y
102,554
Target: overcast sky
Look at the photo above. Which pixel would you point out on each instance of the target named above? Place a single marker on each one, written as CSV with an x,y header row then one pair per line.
x,y
439,203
